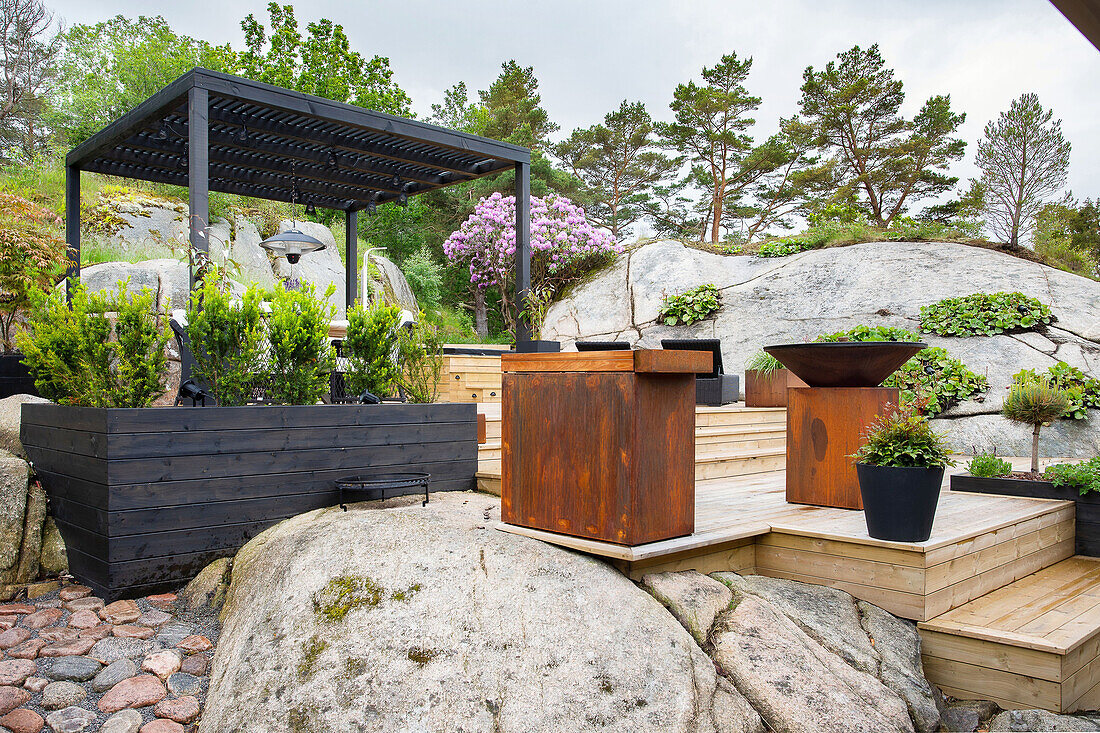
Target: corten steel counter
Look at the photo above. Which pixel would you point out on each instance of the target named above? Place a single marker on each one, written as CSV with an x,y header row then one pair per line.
x,y
601,444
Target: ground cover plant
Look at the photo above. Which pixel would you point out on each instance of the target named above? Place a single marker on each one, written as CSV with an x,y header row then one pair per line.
x,y
1084,476
984,314
690,306
988,465
933,379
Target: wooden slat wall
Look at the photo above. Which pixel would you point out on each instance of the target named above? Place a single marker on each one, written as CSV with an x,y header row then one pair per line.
x,y
145,498
467,378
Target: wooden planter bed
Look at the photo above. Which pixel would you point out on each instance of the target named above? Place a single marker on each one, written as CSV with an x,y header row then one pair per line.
x,y
1087,526
145,498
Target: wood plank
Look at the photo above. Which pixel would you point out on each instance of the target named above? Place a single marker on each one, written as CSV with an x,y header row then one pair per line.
x,y
588,361
672,361
985,683
851,569
908,558
737,557
905,605
1046,665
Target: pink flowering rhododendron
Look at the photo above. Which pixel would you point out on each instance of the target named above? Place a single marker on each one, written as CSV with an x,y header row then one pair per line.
x,y
562,240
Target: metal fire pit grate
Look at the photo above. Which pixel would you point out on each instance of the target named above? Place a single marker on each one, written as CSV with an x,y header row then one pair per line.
x,y
380,483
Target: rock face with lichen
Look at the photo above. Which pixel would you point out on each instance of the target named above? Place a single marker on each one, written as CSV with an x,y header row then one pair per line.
x,y
401,617
797,298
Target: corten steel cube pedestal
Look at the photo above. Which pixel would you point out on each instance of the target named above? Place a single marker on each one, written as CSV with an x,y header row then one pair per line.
x,y
601,445
769,390
826,420
824,427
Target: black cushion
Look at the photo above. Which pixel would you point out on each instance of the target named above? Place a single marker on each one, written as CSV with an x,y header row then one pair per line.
x,y
602,346
712,345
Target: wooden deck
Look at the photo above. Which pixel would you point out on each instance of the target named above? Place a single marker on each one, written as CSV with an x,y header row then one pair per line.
x,y
978,544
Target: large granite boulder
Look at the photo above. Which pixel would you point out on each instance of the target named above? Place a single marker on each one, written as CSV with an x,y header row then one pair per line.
x,y
796,298
400,617
395,287
169,280
11,413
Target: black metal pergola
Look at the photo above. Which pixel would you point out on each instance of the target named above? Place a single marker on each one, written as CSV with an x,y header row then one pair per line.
x,y
210,131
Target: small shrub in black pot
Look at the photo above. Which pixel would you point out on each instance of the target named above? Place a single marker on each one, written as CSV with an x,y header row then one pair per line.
x,y
900,468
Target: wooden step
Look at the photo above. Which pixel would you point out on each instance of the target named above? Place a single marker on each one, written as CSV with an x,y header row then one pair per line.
x,y
739,415
740,437
725,464
1034,642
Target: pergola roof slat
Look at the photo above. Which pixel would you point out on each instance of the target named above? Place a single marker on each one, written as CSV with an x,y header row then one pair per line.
x,y
215,132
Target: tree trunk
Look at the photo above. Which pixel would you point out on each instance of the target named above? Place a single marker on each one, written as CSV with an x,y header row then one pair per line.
x,y
481,314
1035,449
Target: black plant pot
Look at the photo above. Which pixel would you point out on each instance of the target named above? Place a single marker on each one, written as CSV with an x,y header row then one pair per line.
x,y
15,377
538,347
899,504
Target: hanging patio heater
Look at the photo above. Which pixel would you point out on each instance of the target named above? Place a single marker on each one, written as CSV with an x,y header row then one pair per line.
x,y
292,244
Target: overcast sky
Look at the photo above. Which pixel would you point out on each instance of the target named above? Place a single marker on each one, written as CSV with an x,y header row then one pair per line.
x,y
591,54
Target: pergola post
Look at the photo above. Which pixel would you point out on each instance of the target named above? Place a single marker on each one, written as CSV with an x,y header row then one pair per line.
x,y
198,170
72,224
523,247
351,236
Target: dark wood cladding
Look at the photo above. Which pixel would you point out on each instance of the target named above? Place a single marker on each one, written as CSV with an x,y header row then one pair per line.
x,y
145,498
608,455
1087,527
824,427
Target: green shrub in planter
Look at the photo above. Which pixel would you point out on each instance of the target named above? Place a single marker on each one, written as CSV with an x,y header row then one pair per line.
x,y
300,356
900,468
1033,404
1084,477
763,363
984,314
227,342
370,347
690,306
988,465
420,349
1082,391
77,356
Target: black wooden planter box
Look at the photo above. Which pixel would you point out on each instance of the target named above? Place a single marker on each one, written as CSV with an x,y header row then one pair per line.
x,y
15,377
1087,527
145,498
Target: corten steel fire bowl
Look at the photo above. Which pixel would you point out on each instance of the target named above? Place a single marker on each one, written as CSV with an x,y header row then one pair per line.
x,y
846,363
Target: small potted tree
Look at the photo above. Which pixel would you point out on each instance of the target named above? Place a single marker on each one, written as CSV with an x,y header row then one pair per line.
x,y
32,256
900,468
766,381
1035,403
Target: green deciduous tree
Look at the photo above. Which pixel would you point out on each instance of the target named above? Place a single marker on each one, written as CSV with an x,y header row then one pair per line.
x,y
710,126
1069,233
29,54
889,162
320,63
1024,160
618,164
109,68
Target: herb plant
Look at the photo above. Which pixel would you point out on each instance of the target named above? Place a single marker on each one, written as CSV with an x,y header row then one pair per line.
x,y
690,306
988,465
781,248
984,314
371,347
77,356
227,342
903,438
1035,403
1084,477
300,357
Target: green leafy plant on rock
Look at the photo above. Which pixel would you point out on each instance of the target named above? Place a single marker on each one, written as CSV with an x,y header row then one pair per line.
x,y
1084,477
984,314
781,248
227,342
1082,391
690,306
903,438
300,357
81,354
988,465
371,347
1035,403
933,379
